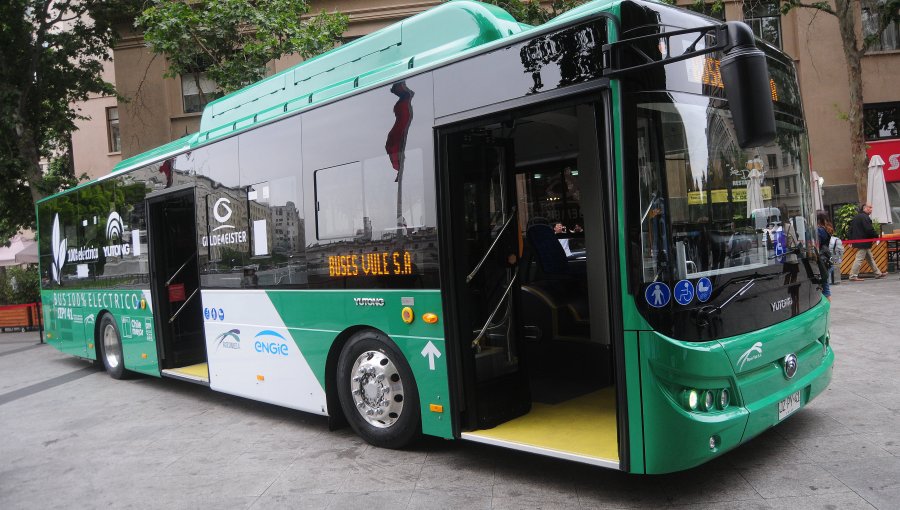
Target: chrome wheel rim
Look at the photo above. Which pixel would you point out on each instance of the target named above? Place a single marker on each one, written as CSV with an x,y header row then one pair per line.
x,y
377,389
111,346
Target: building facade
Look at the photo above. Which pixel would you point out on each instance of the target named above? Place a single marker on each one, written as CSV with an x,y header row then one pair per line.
x,y
159,110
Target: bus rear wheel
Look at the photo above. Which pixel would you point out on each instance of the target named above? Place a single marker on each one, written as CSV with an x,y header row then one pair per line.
x,y
111,348
377,391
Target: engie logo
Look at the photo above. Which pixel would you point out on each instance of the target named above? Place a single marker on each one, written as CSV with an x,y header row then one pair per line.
x,y
266,343
229,340
59,251
222,212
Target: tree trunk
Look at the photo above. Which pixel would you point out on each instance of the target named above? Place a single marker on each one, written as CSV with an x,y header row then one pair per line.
x,y
29,152
846,15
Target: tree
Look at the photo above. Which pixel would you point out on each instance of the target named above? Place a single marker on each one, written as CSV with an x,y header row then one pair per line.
x,y
232,41
532,12
885,12
51,56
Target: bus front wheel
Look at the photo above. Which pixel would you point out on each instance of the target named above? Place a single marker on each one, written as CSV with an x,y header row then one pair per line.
x,y
377,391
111,348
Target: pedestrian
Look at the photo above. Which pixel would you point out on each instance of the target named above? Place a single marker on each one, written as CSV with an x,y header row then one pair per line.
x,y
861,228
824,231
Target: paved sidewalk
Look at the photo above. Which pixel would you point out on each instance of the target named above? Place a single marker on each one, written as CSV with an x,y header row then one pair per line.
x,y
74,438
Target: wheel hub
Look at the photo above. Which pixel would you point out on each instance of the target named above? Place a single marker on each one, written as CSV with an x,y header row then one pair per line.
x,y
377,389
111,346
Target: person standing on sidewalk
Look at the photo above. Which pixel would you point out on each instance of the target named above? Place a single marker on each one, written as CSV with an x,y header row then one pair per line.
x,y
861,228
824,231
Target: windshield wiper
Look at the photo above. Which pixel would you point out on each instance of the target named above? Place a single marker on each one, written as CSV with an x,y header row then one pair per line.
x,y
707,312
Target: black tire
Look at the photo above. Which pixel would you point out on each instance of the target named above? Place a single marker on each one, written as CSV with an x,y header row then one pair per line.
x,y
388,418
110,342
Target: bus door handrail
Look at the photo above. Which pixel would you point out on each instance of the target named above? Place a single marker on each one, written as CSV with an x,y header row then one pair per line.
x,y
180,268
512,281
512,216
184,305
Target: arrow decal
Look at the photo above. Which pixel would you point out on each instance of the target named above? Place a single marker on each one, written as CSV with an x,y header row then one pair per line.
x,y
431,352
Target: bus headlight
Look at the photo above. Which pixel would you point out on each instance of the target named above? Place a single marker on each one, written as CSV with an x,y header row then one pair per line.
x,y
724,399
708,400
690,398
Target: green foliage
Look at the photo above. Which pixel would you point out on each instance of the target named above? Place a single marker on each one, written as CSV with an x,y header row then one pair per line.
x,y
51,56
842,218
232,41
532,13
19,286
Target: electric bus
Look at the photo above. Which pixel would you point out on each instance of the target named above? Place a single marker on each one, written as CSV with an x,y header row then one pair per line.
x,y
544,238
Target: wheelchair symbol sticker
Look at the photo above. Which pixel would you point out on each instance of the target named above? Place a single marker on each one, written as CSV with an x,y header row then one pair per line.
x,y
657,295
684,292
704,289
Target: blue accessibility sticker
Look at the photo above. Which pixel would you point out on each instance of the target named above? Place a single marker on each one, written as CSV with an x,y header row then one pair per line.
x,y
684,292
704,289
657,294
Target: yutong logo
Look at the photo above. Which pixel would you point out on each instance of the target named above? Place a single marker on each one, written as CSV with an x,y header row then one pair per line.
x,y
222,212
781,304
114,230
266,343
752,354
229,339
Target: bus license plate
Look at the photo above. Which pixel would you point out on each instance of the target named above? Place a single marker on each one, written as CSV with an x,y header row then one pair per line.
x,y
787,406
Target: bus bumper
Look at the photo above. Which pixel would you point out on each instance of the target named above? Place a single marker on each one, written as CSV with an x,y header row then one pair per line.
x,y
678,437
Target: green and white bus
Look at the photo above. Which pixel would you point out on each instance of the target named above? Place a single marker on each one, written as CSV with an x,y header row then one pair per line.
x,y
591,239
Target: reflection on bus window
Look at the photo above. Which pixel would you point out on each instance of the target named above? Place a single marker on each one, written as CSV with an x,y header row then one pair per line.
x,y
709,207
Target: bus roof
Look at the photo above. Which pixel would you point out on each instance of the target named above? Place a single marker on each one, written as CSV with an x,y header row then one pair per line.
x,y
445,32
438,33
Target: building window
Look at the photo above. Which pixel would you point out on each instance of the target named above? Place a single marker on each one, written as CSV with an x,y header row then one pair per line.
x,y
773,160
714,10
196,91
113,137
881,120
890,38
765,20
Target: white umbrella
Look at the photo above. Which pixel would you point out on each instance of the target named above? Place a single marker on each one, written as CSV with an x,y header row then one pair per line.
x,y
818,202
877,191
754,191
11,255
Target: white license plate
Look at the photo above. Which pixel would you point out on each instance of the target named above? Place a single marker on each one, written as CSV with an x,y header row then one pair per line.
x,y
787,406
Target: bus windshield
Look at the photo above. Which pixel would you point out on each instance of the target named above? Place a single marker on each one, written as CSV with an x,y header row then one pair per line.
x,y
707,206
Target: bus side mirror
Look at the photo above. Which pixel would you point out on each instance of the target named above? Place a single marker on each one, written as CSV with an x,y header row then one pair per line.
x,y
746,79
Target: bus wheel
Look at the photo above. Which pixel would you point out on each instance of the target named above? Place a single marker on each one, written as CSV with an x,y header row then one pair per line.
x,y
111,348
377,391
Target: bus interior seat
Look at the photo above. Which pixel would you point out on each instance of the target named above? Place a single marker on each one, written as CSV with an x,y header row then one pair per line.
x,y
554,297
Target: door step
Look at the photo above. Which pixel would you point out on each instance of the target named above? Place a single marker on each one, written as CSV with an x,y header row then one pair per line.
x,y
197,374
582,429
